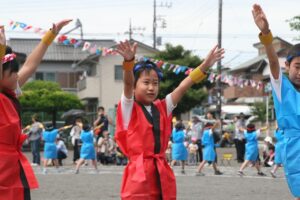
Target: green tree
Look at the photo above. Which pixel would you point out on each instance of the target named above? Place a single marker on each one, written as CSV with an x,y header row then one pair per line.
x,y
295,24
47,97
259,109
195,95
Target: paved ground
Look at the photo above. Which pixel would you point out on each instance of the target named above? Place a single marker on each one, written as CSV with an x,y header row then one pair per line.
x,y
105,184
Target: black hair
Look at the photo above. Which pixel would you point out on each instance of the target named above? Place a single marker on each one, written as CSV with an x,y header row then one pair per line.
x,y
271,147
101,108
86,127
144,67
77,118
208,125
49,127
11,66
179,126
293,52
250,128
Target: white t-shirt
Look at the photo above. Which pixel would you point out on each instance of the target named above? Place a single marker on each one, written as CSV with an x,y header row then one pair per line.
x,y
276,84
62,147
127,105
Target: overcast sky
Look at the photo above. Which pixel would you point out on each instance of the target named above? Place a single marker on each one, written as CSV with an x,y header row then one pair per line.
x,y
192,23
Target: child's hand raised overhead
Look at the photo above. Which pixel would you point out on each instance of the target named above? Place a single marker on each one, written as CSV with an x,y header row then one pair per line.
x,y
260,19
213,56
127,50
58,26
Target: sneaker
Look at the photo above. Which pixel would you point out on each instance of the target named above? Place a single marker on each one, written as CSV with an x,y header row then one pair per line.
x,y
77,171
44,171
273,174
218,172
34,164
261,174
200,174
240,173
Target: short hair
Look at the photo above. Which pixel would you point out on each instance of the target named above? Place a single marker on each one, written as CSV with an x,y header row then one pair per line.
x,y
293,52
101,108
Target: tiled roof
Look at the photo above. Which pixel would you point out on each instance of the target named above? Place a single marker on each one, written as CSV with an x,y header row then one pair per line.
x,y
56,52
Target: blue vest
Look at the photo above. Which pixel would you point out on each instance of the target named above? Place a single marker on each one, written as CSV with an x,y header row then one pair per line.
x,y
207,139
251,140
288,110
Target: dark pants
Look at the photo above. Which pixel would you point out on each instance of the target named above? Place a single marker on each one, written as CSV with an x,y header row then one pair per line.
x,y
103,158
240,149
76,155
35,149
121,160
200,154
60,156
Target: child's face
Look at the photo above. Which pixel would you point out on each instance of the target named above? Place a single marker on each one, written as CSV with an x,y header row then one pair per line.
x,y
147,87
293,70
9,80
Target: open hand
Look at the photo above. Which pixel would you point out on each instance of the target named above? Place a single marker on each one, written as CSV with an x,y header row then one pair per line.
x,y
127,50
58,26
260,19
213,56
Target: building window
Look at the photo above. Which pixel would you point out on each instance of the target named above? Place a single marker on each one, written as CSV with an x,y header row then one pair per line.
x,y
45,76
39,76
49,77
118,72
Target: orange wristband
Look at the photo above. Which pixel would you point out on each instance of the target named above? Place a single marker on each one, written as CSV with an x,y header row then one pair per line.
x,y
197,75
2,51
128,65
48,38
266,39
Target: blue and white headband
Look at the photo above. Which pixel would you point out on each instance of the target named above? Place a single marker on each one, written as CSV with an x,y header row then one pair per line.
x,y
148,65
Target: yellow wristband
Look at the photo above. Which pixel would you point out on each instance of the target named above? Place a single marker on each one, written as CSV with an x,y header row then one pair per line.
x,y
128,65
2,51
266,39
197,75
48,38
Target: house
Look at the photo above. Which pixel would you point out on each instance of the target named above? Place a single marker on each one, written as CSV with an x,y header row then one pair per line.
x,y
255,69
58,61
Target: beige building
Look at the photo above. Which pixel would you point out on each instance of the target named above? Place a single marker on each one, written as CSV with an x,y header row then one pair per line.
x,y
57,63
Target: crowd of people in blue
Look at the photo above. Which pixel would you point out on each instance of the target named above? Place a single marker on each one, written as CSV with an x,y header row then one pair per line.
x,y
192,143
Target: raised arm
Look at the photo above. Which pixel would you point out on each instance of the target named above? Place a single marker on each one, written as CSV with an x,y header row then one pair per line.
x,y
32,62
266,39
197,75
128,52
2,47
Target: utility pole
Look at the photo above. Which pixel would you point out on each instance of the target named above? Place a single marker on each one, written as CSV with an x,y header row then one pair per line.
x,y
154,24
130,30
155,19
219,67
134,30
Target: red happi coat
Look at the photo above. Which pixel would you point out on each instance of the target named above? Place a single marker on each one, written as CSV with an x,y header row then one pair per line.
x,y
147,175
11,157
